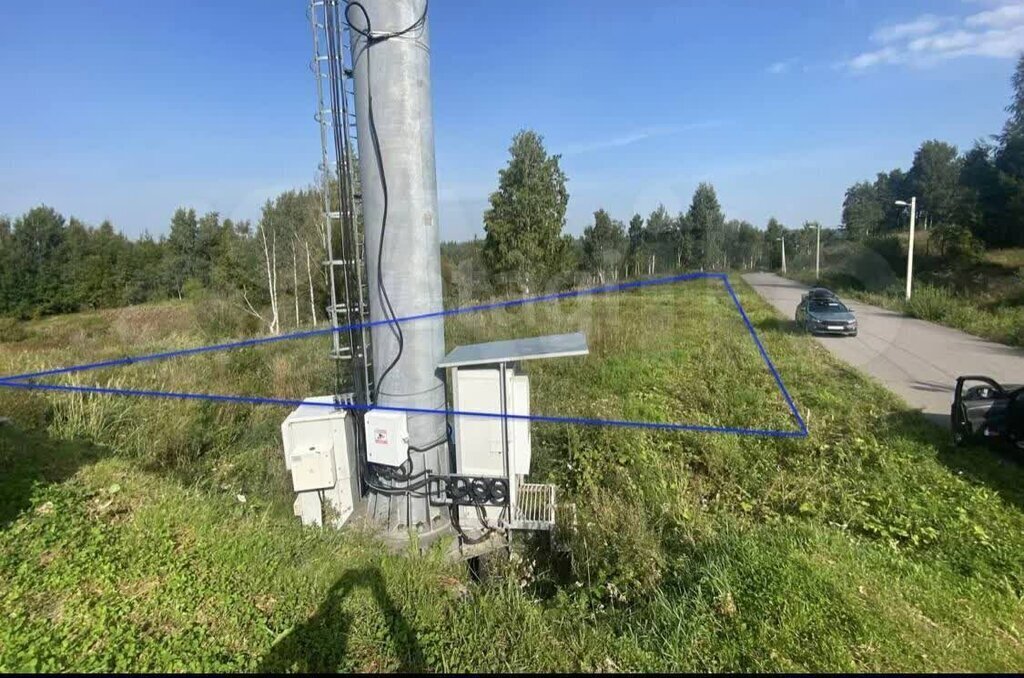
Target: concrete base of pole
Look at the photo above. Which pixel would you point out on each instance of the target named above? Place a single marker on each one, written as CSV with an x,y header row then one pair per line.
x,y
396,539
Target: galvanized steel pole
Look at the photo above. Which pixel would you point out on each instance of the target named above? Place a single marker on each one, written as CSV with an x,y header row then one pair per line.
x,y
395,73
817,255
910,247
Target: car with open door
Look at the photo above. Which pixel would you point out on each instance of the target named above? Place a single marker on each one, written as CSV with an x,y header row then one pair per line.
x,y
984,409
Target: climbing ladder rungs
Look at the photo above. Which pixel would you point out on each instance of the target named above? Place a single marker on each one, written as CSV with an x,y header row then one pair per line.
x,y
344,265
345,353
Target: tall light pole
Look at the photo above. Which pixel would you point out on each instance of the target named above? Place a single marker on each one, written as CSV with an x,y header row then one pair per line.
x,y
910,247
817,255
783,239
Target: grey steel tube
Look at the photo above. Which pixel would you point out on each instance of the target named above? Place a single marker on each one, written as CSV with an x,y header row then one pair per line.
x,y
398,77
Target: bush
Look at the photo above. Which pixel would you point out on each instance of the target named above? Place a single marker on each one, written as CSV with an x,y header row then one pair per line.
x,y
193,290
890,248
11,330
864,265
218,319
957,242
930,303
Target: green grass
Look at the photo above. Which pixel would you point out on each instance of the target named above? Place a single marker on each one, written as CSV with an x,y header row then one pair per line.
x,y
872,545
983,297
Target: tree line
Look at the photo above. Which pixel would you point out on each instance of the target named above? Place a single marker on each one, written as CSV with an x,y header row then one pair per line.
x,y
271,269
969,201
525,248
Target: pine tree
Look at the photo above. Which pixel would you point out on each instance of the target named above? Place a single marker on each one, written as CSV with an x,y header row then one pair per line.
x,y
524,246
705,221
182,242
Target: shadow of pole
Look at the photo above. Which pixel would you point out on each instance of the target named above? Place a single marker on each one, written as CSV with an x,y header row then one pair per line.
x,y
320,644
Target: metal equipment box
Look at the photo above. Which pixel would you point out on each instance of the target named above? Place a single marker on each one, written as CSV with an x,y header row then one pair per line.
x,y
319,451
482,418
387,437
478,449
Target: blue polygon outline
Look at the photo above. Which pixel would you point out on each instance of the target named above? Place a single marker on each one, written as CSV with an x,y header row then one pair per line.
x,y
19,380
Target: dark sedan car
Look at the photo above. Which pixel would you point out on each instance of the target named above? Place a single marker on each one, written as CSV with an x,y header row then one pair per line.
x,y
821,314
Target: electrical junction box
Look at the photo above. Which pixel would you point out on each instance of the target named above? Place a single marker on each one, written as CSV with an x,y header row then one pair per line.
x,y
475,375
319,451
478,438
387,437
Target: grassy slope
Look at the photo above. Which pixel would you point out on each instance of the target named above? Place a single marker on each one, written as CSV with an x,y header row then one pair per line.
x,y
872,545
984,298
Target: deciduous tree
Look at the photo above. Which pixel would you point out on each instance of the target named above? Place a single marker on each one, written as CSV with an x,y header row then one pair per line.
x,y
604,246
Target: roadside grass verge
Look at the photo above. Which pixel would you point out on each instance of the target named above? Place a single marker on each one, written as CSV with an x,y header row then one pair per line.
x,y
871,545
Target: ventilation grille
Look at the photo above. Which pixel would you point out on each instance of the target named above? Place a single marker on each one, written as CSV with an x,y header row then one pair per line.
x,y
535,507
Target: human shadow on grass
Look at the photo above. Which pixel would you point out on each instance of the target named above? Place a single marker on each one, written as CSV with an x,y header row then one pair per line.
x,y
998,467
320,644
30,459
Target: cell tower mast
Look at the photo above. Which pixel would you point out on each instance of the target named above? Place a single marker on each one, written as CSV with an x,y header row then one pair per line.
x,y
383,48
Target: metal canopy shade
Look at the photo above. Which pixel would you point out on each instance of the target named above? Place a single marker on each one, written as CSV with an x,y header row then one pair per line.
x,y
510,350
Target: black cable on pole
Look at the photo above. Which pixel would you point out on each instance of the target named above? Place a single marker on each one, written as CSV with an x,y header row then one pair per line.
x,y
401,475
372,40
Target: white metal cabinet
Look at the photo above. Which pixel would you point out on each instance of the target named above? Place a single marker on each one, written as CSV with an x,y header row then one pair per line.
x,y
478,438
319,451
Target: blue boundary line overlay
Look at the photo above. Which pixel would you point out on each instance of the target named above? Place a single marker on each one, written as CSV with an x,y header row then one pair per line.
x,y
20,381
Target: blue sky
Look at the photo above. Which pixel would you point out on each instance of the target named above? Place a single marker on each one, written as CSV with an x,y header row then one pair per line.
x,y
126,110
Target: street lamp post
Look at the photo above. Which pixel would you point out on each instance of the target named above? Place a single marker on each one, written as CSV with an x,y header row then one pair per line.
x,y
910,246
817,255
783,239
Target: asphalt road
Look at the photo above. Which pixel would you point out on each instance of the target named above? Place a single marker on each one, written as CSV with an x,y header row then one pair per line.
x,y
917,360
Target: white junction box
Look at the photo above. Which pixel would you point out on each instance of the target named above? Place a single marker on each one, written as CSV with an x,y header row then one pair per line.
x,y
478,439
387,437
481,421
319,451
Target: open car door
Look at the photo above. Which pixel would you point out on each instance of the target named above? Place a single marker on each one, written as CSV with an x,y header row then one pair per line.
x,y
985,409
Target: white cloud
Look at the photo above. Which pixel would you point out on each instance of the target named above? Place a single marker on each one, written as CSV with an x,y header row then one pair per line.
x,y
943,42
1000,17
927,40
922,25
869,59
780,67
635,136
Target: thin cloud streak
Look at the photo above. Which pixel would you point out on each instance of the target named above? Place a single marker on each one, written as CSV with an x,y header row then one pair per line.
x,y
780,67
636,136
923,25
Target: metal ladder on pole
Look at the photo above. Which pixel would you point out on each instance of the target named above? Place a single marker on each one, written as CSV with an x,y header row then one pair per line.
x,y
343,241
